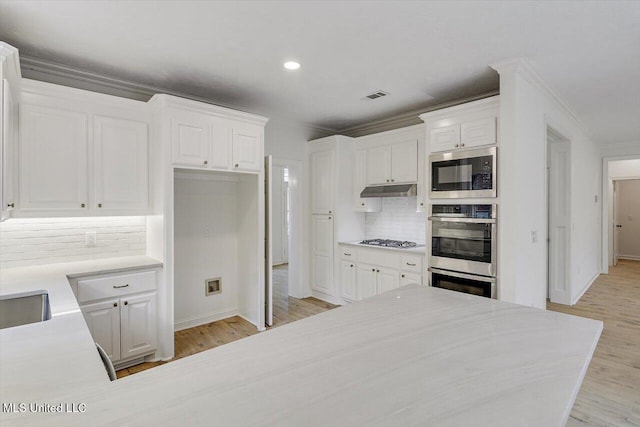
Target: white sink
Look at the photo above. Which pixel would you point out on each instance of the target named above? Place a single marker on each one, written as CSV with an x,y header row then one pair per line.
x,y
24,308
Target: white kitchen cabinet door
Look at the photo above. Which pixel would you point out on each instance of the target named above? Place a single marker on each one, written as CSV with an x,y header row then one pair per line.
x,y
410,278
53,164
322,182
322,253
221,144
404,162
8,143
138,324
120,164
247,143
444,138
379,165
103,321
478,132
366,281
388,279
363,204
190,139
348,280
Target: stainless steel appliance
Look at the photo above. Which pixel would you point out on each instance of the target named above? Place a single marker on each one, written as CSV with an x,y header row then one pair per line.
x,y
395,190
463,250
463,238
461,282
389,243
466,173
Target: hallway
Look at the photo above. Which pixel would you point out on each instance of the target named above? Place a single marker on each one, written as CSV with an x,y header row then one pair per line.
x,y
610,393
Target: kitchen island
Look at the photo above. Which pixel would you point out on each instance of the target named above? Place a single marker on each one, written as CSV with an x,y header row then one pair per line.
x,y
411,356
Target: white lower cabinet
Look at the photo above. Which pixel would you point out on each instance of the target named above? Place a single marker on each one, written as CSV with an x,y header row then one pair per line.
x,y
120,312
322,254
365,272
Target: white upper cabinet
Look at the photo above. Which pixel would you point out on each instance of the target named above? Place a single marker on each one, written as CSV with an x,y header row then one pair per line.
x,y
363,204
81,153
395,163
322,182
10,77
53,169
404,162
190,137
247,147
206,136
463,126
120,152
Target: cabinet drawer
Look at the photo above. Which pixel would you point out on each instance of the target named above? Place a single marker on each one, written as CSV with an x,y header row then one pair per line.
x,y
348,253
115,286
379,257
411,263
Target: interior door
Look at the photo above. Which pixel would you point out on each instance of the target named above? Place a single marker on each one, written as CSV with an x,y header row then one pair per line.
x,y
559,210
616,224
268,253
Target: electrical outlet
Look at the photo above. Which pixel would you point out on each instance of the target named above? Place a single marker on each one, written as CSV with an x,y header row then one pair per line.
x,y
90,238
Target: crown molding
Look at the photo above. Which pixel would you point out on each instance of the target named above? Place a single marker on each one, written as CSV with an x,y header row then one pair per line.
x,y
52,72
522,67
409,118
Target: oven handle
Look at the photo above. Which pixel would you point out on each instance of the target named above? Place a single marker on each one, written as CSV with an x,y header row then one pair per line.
x,y
462,275
470,220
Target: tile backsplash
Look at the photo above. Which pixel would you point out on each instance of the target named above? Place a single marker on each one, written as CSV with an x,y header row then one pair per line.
x,y
25,242
397,220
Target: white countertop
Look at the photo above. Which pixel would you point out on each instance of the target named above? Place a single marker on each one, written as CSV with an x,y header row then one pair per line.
x,y
411,356
420,250
39,359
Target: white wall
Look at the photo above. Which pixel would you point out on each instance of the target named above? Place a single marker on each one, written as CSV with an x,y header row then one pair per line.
x,y
34,241
624,169
629,217
206,246
527,107
397,220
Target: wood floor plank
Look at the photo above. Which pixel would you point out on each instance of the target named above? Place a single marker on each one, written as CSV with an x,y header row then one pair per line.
x,y
285,310
610,393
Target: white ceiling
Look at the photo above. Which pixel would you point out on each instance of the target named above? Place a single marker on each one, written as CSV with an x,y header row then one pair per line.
x,y
422,53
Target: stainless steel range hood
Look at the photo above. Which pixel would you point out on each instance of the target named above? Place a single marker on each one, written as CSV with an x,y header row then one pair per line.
x,y
395,190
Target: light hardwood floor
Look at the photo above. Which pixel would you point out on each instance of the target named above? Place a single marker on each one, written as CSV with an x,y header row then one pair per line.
x,y
285,310
610,393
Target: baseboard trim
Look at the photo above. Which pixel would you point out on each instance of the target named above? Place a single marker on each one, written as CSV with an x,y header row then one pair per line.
x,y
629,257
260,328
203,320
586,288
326,298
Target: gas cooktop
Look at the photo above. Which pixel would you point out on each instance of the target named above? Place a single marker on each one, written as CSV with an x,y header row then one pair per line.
x,y
389,243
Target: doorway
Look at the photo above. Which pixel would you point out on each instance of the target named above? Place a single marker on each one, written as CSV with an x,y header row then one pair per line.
x,y
558,217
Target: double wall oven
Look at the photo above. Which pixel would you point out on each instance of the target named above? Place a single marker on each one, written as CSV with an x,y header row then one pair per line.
x,y
463,250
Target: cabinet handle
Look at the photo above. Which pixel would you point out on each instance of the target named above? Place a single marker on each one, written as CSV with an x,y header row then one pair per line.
x,y
377,271
373,269
99,205
346,254
330,212
206,162
461,145
120,286
457,145
82,205
409,264
126,303
11,205
363,204
402,276
351,265
387,180
421,204
115,304
393,180
236,165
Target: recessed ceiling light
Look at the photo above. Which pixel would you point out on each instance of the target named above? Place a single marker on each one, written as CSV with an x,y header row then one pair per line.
x,y
291,65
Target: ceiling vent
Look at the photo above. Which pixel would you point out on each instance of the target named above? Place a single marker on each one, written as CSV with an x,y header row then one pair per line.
x,y
377,94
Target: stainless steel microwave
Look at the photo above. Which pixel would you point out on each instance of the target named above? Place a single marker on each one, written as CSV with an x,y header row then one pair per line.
x,y
462,174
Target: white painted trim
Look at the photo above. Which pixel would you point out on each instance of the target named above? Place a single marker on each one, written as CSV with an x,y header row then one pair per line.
x,y
524,68
624,178
260,327
203,320
326,298
488,103
205,175
629,257
586,288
